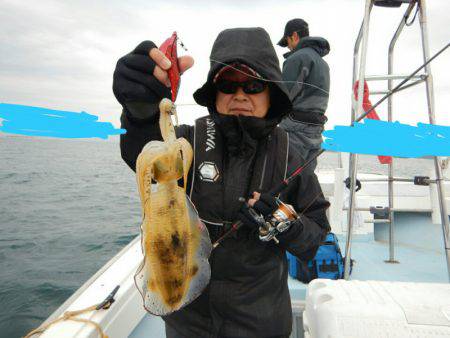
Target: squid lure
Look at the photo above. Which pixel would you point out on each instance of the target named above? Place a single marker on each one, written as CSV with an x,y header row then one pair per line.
x,y
169,48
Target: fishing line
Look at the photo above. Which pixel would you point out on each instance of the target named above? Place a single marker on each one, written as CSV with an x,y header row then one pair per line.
x,y
283,184
268,80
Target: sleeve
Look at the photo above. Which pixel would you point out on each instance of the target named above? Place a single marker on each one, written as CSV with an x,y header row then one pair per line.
x,y
142,128
296,69
303,238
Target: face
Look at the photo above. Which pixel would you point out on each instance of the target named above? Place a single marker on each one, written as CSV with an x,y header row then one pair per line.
x,y
241,103
292,41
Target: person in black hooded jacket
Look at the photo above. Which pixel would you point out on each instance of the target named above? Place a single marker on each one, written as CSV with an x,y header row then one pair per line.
x,y
238,152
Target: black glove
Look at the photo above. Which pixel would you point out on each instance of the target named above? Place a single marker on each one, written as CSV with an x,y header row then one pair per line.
x,y
249,218
266,204
133,79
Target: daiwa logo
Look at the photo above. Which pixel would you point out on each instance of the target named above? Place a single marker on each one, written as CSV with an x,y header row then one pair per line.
x,y
210,135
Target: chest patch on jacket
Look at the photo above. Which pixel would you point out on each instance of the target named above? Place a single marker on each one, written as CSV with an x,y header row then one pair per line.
x,y
208,171
212,196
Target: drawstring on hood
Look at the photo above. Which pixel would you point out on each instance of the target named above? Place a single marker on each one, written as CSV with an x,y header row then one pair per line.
x,y
253,48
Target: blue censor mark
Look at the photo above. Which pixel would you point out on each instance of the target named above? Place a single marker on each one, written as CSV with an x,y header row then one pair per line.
x,y
389,138
35,121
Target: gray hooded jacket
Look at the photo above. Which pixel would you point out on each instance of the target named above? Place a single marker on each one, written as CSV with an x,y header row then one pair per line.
x,y
308,77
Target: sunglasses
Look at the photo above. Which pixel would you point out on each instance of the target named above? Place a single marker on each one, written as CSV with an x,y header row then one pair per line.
x,y
253,86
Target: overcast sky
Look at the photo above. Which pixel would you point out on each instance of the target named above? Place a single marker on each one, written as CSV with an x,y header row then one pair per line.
x,y
61,55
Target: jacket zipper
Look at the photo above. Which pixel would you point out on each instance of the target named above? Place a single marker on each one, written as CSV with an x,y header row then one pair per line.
x,y
264,165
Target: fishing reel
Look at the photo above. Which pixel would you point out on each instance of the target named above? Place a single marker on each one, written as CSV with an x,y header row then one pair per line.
x,y
279,221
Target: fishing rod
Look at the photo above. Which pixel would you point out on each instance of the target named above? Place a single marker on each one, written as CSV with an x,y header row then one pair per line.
x,y
284,184
397,88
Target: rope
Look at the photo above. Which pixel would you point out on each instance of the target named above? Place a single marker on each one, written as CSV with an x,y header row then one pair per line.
x,y
72,315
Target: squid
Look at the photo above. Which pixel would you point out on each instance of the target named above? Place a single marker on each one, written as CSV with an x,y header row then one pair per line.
x,y
175,242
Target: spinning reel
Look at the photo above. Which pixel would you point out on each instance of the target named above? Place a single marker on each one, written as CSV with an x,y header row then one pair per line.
x,y
280,220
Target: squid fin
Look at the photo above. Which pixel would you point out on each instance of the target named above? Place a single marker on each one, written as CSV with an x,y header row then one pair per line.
x,y
201,270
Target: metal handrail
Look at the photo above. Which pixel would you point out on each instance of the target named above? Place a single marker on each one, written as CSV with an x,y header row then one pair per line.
x,y
391,165
393,209
384,92
393,76
362,39
430,101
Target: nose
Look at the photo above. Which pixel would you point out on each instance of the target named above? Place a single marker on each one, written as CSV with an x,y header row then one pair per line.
x,y
240,95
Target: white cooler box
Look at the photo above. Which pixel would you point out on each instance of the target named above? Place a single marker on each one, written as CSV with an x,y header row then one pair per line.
x,y
364,309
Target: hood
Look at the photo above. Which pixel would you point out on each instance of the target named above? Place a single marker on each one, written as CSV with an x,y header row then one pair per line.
x,y
252,47
320,45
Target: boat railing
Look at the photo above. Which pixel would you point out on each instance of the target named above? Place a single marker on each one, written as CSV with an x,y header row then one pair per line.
x,y
359,67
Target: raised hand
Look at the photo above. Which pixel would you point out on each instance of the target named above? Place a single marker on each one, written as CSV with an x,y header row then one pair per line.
x,y
141,76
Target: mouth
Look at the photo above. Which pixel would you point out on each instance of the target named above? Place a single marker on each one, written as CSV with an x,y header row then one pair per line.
x,y
241,111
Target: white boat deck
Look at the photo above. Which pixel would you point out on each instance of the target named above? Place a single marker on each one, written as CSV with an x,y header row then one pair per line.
x,y
419,250
421,259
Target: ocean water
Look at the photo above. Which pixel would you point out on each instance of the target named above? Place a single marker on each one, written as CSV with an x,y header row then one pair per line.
x,y
66,208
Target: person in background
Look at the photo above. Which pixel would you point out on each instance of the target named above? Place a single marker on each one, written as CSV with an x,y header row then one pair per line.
x,y
307,78
247,155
